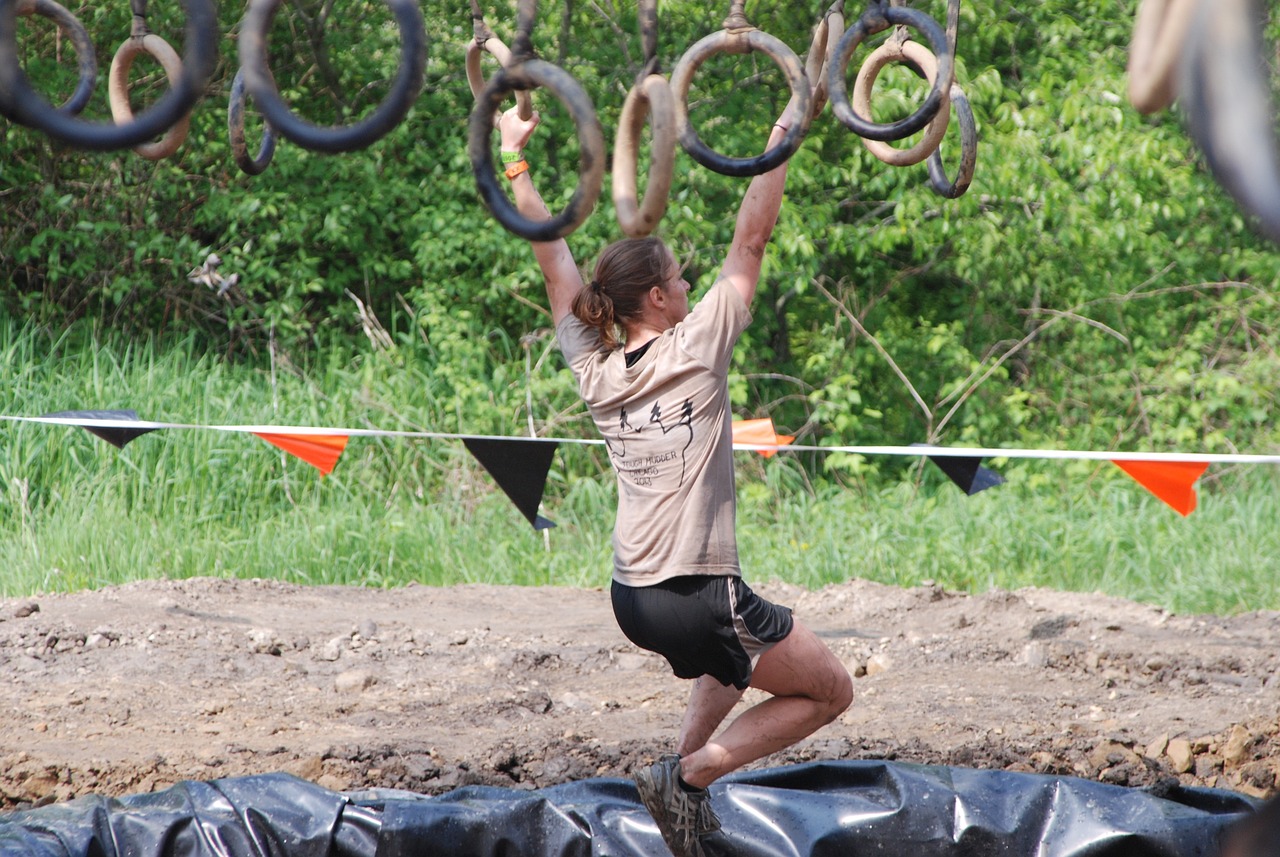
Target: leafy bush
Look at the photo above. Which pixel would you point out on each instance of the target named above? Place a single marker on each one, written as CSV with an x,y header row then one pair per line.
x,y
1094,287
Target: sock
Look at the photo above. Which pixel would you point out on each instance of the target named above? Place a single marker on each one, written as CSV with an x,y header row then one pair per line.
x,y
686,787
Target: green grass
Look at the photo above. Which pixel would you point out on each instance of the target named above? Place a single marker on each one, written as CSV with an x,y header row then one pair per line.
x,y
1091,531
76,513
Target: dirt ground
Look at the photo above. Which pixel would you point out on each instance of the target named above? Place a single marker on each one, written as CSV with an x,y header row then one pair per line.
x,y
130,689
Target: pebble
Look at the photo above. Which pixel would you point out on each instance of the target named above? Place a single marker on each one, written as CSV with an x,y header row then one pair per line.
x,y
1036,656
263,641
354,681
1206,767
879,663
1180,756
330,651
1111,753
1237,746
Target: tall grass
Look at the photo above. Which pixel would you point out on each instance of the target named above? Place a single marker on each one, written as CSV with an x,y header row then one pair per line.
x,y
1090,529
76,513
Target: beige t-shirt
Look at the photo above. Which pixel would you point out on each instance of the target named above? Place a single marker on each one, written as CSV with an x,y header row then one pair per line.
x,y
667,423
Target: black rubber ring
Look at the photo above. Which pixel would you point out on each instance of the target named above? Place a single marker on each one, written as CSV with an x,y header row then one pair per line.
x,y
943,186
235,130
25,105
528,75
873,21
777,50
336,138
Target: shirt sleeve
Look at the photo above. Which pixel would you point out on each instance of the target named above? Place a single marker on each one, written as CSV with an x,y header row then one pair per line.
x,y
577,342
713,326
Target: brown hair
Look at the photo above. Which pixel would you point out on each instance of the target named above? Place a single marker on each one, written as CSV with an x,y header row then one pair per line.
x,y
625,271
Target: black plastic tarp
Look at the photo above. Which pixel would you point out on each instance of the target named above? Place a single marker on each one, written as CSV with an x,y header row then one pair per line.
x,y
822,809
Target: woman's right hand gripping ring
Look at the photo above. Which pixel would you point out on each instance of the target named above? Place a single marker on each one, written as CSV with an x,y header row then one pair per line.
x,y
874,20
525,76
741,42
475,75
649,98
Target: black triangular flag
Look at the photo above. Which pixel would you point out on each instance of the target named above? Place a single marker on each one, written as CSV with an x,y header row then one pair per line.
x,y
117,437
968,473
520,469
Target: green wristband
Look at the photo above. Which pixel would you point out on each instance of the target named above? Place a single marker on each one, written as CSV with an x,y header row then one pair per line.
x,y
510,157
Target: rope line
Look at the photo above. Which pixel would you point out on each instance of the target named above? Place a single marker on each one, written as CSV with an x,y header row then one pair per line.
x,y
911,450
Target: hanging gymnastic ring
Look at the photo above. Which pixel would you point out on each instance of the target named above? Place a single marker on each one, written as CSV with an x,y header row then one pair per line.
x,y
86,57
30,108
832,29
235,131
814,63
924,60
336,138
1225,95
118,90
649,98
1159,37
874,20
475,75
525,76
741,42
968,151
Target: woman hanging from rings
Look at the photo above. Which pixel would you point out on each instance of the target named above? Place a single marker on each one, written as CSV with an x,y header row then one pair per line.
x,y
654,375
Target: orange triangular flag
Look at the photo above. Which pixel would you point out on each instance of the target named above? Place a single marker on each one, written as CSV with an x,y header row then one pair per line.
x,y
749,432
1171,481
318,450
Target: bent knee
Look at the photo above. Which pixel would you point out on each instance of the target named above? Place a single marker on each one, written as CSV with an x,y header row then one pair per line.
x,y
840,696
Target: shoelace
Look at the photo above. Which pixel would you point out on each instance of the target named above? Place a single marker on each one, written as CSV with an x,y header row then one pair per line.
x,y
692,815
708,821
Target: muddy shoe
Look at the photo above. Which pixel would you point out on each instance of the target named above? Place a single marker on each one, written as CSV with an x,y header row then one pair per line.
x,y
682,816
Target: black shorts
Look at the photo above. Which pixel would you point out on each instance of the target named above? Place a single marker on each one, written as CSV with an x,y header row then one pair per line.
x,y
702,625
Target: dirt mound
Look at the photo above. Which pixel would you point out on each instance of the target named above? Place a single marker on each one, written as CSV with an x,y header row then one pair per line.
x,y
132,688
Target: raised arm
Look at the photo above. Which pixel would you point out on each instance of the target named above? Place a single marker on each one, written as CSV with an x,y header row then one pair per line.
x,y
559,269
756,218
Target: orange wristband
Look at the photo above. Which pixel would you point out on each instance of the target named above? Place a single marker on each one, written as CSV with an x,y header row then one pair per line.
x,y
516,169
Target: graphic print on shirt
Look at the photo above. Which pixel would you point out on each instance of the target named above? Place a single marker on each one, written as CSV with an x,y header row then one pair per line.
x,y
641,467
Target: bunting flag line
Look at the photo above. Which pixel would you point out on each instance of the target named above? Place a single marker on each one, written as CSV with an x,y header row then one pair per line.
x,y
521,470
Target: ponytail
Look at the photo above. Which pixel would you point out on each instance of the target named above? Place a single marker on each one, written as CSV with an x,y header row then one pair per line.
x,y
594,308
